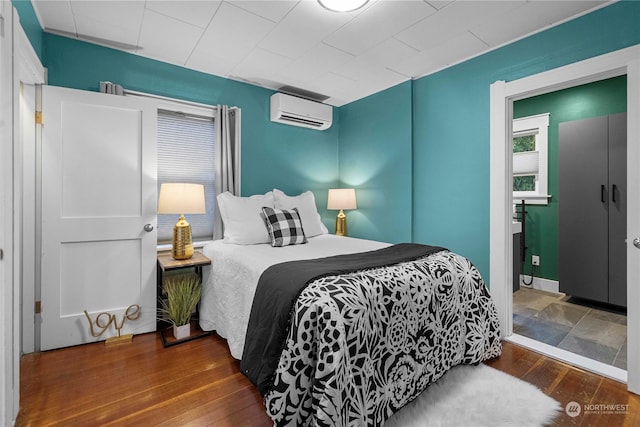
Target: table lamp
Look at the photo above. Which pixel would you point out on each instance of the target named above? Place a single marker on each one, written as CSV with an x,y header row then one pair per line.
x,y
181,198
341,198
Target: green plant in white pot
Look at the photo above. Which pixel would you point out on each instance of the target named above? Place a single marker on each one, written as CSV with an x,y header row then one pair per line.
x,y
182,295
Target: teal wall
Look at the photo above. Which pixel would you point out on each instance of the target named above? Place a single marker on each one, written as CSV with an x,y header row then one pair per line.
x,y
444,151
273,155
29,24
581,102
375,143
451,124
450,143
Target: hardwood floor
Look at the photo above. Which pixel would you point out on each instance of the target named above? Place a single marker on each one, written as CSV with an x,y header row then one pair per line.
x,y
199,383
142,384
567,384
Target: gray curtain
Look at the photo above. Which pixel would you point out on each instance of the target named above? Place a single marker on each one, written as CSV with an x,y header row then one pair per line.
x,y
227,167
112,88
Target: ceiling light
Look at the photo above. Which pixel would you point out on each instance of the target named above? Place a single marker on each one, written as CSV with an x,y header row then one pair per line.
x,y
342,5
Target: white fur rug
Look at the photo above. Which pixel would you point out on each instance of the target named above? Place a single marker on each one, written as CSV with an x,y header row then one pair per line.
x,y
477,396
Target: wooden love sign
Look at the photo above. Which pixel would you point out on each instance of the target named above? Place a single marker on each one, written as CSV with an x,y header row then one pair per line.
x,y
105,319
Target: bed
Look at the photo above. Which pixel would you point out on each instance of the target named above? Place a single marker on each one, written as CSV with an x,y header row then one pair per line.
x,y
356,346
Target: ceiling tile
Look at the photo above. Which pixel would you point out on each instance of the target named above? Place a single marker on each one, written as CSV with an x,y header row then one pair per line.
x,y
211,63
452,20
362,68
109,20
234,32
166,38
428,61
315,62
530,17
338,84
229,38
193,12
363,89
273,10
378,78
260,65
379,22
343,90
55,15
390,52
302,29
439,4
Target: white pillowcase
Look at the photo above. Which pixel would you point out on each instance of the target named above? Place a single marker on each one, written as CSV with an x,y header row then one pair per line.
x,y
306,205
243,218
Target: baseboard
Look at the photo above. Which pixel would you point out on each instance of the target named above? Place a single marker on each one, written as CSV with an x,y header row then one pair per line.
x,y
541,284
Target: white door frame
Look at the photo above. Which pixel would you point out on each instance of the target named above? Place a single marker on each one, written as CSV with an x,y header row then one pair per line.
x,y
9,390
29,74
617,63
19,62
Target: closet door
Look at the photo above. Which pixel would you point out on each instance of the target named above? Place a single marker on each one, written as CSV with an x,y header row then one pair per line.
x,y
583,208
618,209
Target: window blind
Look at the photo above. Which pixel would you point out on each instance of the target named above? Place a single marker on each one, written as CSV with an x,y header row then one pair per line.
x,y
186,154
526,163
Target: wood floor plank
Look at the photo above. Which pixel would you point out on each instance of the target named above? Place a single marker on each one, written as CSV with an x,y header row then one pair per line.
x,y
612,406
198,383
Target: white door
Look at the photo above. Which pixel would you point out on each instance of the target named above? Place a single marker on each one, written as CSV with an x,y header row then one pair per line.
x,y
98,193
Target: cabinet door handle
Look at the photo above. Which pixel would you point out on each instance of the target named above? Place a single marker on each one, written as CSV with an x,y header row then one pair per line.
x,y
613,193
603,196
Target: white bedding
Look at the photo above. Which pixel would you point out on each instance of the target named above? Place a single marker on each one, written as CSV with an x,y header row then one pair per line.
x,y
229,286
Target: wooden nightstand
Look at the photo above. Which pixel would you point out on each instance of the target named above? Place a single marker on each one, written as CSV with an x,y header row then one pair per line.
x,y
166,263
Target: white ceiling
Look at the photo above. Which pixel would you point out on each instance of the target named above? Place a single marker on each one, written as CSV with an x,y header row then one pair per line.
x,y
273,43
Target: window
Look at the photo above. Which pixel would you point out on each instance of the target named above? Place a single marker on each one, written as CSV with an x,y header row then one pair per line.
x,y
530,164
186,153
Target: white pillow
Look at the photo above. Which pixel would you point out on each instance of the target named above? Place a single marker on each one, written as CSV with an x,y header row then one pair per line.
x,y
243,218
306,205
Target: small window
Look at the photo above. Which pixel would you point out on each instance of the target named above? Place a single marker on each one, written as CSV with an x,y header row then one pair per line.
x,y
186,144
530,163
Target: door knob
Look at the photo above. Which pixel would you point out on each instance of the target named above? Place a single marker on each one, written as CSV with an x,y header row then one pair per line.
x,y
148,228
636,242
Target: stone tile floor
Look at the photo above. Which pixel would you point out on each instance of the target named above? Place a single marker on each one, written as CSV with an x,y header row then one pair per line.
x,y
590,331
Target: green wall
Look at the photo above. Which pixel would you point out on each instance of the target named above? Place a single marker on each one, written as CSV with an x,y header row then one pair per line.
x,y
592,100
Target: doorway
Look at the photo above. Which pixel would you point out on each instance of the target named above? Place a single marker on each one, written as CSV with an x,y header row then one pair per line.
x,y
625,61
582,320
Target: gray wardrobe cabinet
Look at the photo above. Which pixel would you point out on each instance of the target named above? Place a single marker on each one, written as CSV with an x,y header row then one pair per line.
x,y
592,200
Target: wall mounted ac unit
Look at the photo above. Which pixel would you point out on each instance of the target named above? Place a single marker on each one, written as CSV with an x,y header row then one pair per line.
x,y
296,111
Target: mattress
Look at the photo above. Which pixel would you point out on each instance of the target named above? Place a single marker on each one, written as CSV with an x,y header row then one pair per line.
x,y
229,286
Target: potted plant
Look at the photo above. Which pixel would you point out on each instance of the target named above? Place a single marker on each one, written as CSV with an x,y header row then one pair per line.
x,y
182,296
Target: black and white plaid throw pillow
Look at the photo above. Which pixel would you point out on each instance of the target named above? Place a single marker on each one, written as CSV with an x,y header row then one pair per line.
x,y
285,227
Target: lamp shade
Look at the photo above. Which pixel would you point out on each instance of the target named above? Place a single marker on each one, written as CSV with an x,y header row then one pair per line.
x,y
181,198
342,198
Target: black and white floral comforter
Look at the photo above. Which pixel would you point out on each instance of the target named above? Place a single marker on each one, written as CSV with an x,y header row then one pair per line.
x,y
362,345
